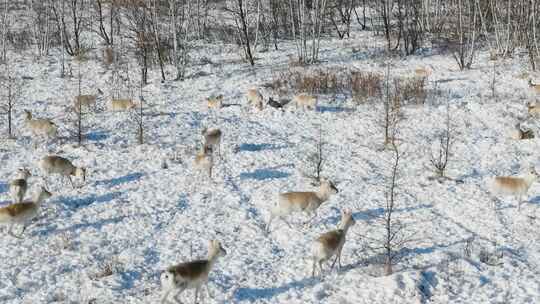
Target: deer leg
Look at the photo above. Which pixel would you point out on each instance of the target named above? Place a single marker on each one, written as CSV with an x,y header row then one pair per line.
x,y
313,269
164,297
334,262
10,230
71,181
20,236
311,219
339,259
208,291
196,294
269,222
286,222
177,295
320,267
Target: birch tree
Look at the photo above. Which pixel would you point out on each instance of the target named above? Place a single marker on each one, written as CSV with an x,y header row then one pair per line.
x,y
12,88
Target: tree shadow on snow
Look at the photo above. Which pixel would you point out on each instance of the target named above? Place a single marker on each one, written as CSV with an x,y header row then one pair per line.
x,y
97,225
406,253
259,147
370,214
252,294
3,187
474,174
97,136
128,279
264,174
120,180
535,200
334,109
91,199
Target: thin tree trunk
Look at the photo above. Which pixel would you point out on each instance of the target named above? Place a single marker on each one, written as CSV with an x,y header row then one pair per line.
x,y
174,26
63,71
257,28
157,43
245,32
10,110
4,31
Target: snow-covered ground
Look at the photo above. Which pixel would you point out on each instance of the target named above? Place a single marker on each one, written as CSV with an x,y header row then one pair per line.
x,y
140,218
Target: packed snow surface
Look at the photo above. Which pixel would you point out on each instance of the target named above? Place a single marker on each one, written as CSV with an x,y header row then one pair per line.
x,y
109,240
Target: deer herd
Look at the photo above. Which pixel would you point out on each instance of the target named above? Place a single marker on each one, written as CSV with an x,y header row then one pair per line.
x,y
194,274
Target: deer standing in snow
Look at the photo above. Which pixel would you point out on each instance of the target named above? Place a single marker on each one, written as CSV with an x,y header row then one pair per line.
x,y
254,98
19,185
54,164
23,212
514,185
190,275
40,126
308,202
331,243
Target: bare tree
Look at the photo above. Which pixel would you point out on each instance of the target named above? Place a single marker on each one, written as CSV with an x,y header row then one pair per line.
x,y
62,38
240,11
138,116
363,23
385,11
78,111
5,25
493,83
72,25
316,160
465,30
410,31
40,12
179,15
393,227
340,14
155,28
444,140
12,90
391,107
106,34
309,17
142,37
394,230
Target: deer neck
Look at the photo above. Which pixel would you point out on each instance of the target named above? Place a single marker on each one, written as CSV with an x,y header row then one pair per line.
x,y
323,194
22,176
345,227
40,198
212,258
529,179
